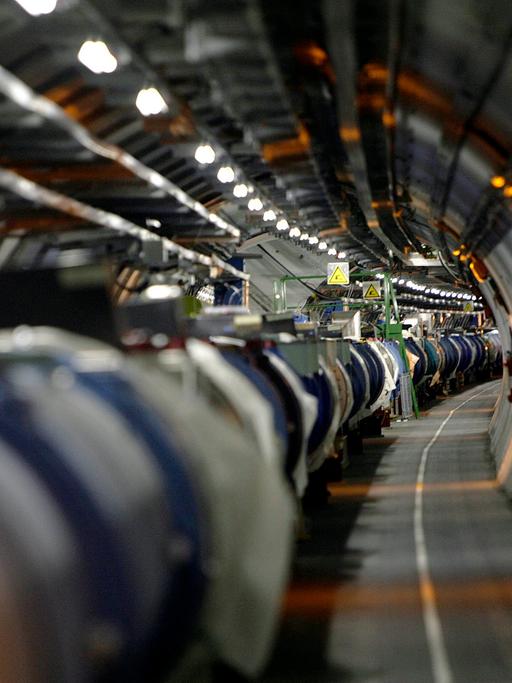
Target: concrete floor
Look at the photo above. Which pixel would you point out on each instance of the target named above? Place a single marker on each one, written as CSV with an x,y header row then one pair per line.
x,y
355,611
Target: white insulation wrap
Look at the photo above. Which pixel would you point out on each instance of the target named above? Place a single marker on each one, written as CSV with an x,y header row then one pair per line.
x,y
309,408
345,391
250,514
390,371
247,510
254,410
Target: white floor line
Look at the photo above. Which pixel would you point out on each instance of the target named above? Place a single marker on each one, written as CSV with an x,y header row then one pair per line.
x,y
441,670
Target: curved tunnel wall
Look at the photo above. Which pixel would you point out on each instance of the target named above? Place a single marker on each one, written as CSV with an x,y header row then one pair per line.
x,y
501,424
434,82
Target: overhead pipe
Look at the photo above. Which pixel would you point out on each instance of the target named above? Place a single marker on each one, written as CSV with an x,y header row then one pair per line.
x,y
20,93
37,193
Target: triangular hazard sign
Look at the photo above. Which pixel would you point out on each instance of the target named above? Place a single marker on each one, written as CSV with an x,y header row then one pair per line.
x,y
371,293
338,277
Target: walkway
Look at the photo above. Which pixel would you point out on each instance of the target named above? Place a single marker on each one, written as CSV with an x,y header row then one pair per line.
x,y
408,578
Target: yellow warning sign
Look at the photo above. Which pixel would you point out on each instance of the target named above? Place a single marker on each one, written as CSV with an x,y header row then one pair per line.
x,y
338,273
371,290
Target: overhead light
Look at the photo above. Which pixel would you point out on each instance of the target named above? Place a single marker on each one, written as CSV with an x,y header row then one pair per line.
x,y
255,204
153,223
427,291
401,281
225,174
322,246
304,236
282,224
204,154
295,232
342,254
269,215
161,291
332,252
394,280
442,293
313,239
95,55
498,181
38,7
240,191
379,276
149,102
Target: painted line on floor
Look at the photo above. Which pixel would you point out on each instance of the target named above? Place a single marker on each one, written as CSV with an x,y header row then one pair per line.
x,y
437,647
377,490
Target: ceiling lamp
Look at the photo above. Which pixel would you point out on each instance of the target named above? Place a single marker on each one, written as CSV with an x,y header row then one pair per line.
x,y
332,251
161,291
38,7
295,232
322,246
225,174
498,181
150,103
255,204
282,225
240,191
204,154
269,215
95,55
342,254
401,281
153,223
313,240
304,236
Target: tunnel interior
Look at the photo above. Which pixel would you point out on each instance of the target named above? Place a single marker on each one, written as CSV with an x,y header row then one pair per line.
x,y
255,341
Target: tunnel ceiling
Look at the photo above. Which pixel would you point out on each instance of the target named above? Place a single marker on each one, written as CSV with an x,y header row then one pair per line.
x,y
381,128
